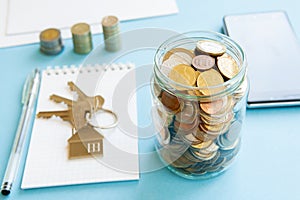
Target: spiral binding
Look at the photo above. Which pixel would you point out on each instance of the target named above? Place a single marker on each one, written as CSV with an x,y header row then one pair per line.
x,y
96,68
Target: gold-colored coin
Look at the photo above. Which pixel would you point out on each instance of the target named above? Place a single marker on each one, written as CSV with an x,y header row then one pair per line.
x,y
211,47
80,29
82,38
110,21
227,66
183,74
210,149
208,79
204,156
178,50
50,41
194,92
214,128
50,34
202,145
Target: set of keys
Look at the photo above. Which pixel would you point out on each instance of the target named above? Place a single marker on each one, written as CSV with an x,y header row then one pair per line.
x,y
79,115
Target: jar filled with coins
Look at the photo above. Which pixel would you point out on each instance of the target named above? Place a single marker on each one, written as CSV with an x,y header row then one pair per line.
x,y
199,94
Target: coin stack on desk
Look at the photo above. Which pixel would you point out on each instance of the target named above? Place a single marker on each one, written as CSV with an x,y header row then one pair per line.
x,y
50,41
198,135
82,38
112,40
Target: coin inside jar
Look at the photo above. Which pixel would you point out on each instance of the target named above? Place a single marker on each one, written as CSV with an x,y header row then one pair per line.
x,y
211,47
227,66
168,65
213,107
188,113
170,101
181,51
183,57
203,62
183,74
210,78
200,107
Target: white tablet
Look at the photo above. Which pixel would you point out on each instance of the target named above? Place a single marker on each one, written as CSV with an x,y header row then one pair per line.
x,y
273,54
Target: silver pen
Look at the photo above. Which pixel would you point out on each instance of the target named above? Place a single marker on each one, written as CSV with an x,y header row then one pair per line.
x,y
30,92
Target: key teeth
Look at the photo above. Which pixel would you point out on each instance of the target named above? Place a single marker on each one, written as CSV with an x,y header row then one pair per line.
x,y
52,97
71,85
40,115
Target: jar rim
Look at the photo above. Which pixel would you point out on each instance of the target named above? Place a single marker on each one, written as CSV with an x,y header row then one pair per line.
x,y
208,35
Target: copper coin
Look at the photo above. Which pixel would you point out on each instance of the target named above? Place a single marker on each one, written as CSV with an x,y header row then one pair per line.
x,y
213,107
170,101
186,126
203,62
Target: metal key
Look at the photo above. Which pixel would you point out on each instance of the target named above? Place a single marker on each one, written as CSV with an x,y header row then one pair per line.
x,y
76,115
95,101
59,99
80,111
65,115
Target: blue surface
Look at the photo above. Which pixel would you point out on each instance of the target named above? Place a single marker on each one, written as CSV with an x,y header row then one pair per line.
x,y
267,166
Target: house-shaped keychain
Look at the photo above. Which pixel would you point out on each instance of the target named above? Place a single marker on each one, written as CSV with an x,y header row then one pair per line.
x,y
85,142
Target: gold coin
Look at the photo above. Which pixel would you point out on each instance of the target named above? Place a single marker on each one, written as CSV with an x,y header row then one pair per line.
x,y
110,21
183,74
177,50
194,92
80,29
204,156
208,79
50,34
211,47
202,145
210,149
227,66
214,128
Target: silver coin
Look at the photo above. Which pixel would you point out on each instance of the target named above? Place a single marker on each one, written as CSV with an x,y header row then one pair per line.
x,y
168,65
183,57
188,113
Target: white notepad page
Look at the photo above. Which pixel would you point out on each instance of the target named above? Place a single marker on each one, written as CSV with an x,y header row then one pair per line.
x,y
47,162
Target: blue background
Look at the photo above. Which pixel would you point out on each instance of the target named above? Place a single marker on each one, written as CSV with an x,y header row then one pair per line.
x,y
267,166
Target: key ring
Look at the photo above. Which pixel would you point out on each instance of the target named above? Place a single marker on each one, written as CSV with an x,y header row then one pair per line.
x,y
112,125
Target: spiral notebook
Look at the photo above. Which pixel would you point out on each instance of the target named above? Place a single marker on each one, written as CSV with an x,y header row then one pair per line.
x,y
47,162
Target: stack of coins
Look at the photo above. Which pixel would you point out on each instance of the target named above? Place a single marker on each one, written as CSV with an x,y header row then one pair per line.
x,y
203,133
82,39
112,40
50,41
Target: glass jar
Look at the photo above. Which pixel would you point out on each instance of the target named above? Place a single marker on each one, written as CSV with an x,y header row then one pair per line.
x,y
199,122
